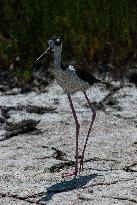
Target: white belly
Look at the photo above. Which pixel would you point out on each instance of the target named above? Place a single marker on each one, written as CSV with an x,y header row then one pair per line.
x,y
69,81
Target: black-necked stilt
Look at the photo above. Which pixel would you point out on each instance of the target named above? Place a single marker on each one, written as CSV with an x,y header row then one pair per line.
x,y
72,80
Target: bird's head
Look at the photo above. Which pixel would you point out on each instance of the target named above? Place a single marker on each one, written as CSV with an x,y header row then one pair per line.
x,y
55,46
55,43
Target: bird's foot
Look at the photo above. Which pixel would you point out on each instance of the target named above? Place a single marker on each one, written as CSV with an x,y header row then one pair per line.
x,y
80,163
77,170
68,174
81,166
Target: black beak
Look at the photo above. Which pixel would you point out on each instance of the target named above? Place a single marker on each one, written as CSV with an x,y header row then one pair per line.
x,y
43,54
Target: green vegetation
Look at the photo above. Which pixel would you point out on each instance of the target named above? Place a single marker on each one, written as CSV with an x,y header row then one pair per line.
x,y
87,27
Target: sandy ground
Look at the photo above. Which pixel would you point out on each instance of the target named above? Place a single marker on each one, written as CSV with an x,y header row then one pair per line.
x,y
31,165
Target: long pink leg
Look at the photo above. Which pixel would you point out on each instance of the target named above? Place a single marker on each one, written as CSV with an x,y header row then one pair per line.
x,y
77,134
90,127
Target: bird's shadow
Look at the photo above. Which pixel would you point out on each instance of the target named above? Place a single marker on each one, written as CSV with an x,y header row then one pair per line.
x,y
66,186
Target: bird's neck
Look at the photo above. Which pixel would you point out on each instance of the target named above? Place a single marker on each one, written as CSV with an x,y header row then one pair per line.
x,y
57,59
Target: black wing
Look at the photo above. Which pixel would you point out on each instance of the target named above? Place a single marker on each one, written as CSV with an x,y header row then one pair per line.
x,y
86,76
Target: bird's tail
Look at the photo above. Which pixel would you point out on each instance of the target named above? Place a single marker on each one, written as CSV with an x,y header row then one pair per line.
x,y
104,83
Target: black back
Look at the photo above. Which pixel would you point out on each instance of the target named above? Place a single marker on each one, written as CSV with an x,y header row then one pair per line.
x,y
84,75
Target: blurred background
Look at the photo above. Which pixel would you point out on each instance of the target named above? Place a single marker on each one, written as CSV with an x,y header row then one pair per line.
x,y
100,35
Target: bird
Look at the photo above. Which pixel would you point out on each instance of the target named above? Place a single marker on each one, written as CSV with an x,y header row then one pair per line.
x,y
72,80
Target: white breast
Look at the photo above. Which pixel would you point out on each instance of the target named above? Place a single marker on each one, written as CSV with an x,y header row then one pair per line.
x,y
69,81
